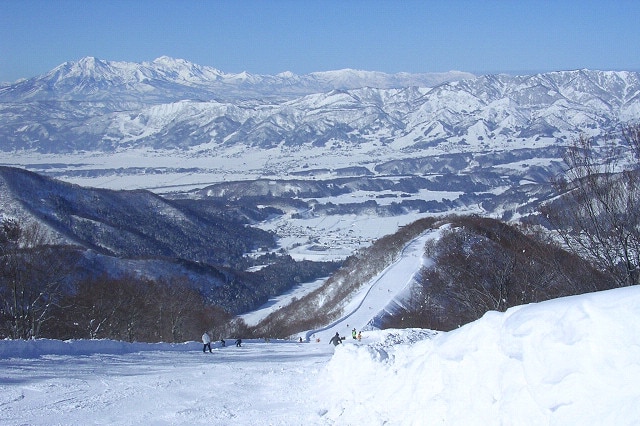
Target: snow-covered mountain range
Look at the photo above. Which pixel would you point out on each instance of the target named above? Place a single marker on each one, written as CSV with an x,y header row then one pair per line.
x,y
169,104
170,125
333,160
166,79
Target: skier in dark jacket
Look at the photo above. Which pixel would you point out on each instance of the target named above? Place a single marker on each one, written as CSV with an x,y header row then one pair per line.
x,y
336,340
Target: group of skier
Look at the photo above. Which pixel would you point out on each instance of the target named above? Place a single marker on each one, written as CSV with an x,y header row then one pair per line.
x,y
336,340
206,340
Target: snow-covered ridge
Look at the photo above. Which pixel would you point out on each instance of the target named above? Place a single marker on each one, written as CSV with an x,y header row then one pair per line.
x,y
102,105
86,78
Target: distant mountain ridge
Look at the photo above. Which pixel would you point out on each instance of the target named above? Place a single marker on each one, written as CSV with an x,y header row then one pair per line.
x,y
170,79
171,104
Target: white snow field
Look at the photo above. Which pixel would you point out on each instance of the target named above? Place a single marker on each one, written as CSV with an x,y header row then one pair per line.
x,y
568,361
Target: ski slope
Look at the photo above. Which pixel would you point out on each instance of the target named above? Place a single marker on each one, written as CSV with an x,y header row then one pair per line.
x,y
574,360
389,287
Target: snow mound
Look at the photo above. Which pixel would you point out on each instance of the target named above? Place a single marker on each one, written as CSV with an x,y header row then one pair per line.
x,y
568,361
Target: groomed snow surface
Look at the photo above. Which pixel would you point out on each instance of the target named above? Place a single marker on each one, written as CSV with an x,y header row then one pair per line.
x,y
568,361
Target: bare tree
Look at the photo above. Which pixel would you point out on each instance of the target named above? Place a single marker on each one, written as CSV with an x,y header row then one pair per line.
x,y
93,309
135,309
631,136
180,310
598,214
32,278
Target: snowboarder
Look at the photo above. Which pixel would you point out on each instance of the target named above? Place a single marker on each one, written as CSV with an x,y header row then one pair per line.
x,y
206,339
353,334
238,343
336,340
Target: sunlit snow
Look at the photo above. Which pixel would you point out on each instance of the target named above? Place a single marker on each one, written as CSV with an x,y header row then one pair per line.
x,y
568,361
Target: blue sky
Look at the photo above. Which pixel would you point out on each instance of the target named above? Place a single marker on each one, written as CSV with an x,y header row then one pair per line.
x,y
271,36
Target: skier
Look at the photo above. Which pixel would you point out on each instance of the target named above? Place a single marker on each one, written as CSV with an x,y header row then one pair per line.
x,y
238,343
206,339
359,335
223,343
336,340
353,333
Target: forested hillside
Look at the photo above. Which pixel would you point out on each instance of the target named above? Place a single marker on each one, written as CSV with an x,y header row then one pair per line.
x,y
59,241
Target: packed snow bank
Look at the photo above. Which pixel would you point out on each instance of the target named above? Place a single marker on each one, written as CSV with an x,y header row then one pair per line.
x,y
568,361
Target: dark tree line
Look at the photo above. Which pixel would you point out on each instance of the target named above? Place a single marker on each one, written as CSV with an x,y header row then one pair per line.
x,y
38,298
244,291
134,309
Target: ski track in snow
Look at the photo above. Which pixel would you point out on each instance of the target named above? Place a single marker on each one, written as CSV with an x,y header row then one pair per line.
x,y
370,301
165,388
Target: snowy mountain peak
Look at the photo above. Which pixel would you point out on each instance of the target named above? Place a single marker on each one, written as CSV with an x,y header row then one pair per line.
x,y
89,63
286,74
183,69
169,61
88,66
